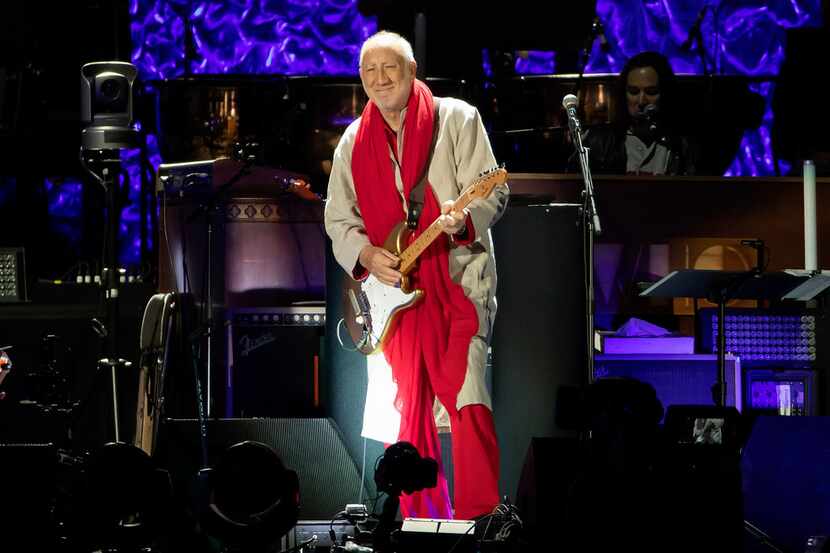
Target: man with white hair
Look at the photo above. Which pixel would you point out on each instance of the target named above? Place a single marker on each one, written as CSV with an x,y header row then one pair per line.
x,y
434,360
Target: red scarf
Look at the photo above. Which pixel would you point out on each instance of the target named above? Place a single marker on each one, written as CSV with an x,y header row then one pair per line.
x,y
439,328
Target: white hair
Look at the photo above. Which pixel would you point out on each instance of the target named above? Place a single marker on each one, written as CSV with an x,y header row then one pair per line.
x,y
388,39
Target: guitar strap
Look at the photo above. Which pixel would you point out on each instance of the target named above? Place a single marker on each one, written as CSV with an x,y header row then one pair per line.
x,y
416,195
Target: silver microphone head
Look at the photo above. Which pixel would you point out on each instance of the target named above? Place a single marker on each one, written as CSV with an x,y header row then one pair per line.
x,y
570,101
650,116
651,110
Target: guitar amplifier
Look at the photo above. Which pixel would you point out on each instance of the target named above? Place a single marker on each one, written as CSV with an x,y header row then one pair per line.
x,y
273,361
677,379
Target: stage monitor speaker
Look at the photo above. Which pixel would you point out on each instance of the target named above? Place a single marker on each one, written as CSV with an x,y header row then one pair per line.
x,y
785,479
679,379
273,364
539,340
313,447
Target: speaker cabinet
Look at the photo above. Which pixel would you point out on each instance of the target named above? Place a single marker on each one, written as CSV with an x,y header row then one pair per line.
x,y
539,341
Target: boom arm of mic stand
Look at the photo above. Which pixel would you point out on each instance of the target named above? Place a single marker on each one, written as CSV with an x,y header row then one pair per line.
x,y
217,196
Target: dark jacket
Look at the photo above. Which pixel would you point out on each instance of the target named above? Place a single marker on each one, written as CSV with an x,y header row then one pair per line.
x,y
607,152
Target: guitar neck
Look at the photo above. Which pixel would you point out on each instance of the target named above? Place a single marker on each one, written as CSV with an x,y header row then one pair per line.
x,y
410,255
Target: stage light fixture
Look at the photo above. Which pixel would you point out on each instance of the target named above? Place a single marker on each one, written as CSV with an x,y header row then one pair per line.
x,y
402,469
253,499
126,498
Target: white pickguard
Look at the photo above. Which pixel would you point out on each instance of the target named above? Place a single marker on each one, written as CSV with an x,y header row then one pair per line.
x,y
378,305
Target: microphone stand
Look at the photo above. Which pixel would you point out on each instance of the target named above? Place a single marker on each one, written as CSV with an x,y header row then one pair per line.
x,y
591,227
695,37
209,209
597,32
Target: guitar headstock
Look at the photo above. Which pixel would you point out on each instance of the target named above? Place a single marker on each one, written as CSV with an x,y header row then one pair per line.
x,y
485,184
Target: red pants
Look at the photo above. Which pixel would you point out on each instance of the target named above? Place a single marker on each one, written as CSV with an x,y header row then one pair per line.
x,y
475,455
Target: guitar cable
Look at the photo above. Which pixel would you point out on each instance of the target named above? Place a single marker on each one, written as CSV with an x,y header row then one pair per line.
x,y
340,323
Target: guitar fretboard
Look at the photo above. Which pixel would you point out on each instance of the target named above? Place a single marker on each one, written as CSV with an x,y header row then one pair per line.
x,y
410,255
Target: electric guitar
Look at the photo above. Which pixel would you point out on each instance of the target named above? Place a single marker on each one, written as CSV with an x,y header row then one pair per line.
x,y
373,306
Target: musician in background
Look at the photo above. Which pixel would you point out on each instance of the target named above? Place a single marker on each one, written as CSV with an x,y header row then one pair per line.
x,y
433,364
643,139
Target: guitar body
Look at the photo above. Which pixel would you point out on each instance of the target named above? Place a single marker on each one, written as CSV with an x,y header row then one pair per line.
x,y
396,242
156,331
371,307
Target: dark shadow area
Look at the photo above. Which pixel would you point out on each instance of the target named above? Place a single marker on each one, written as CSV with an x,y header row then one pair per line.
x,y
802,111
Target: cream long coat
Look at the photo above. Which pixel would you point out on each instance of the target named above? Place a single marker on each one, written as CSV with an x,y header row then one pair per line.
x,y
462,152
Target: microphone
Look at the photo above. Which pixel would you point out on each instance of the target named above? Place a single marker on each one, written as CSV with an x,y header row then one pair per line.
x,y
569,102
758,246
193,178
650,113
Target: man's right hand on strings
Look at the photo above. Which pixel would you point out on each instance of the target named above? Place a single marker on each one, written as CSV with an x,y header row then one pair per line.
x,y
382,264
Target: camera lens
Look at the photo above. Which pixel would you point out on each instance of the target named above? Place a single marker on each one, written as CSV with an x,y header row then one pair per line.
x,y
111,89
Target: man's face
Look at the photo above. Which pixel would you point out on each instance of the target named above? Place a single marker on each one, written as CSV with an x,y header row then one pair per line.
x,y
387,78
641,89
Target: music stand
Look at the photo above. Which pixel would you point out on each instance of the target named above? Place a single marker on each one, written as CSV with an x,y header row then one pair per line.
x,y
720,287
815,285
